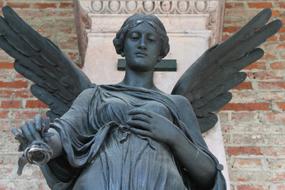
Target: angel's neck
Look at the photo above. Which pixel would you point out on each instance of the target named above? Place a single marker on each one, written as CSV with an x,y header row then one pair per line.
x,y
139,79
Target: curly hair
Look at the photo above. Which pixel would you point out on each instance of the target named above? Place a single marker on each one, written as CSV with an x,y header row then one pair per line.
x,y
136,20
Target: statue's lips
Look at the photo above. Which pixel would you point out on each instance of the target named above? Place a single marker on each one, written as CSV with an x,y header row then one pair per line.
x,y
141,54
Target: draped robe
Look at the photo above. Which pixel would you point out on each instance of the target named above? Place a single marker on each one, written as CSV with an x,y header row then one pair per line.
x,y
100,152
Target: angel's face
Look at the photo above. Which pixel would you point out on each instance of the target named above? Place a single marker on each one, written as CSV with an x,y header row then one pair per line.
x,y
142,48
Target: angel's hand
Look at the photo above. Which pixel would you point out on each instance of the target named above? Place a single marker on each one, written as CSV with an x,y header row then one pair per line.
x,y
29,132
153,125
30,135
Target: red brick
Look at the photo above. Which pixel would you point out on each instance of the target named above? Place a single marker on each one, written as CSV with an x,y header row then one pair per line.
x,y
282,37
245,150
6,65
44,5
273,151
66,13
278,65
231,29
6,104
273,118
272,38
271,85
66,5
7,93
246,106
35,104
276,13
240,163
278,177
24,115
4,114
14,84
257,65
282,29
243,86
264,75
282,5
244,116
260,5
232,5
18,5
281,105
251,187
269,56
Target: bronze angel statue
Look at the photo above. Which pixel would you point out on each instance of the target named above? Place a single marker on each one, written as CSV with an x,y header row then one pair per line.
x,y
130,135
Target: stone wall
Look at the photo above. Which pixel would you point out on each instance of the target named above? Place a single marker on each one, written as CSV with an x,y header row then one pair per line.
x,y
253,123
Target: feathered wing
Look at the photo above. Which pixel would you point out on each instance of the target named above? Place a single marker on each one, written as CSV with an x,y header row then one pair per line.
x,y
207,82
57,80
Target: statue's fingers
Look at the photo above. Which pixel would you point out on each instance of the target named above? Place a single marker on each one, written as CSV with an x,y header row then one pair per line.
x,y
38,122
21,164
18,134
23,147
140,111
138,124
141,117
34,133
45,124
26,132
19,137
141,132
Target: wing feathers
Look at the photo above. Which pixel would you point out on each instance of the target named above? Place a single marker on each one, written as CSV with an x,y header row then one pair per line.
x,y
207,82
214,105
58,81
55,104
26,32
248,43
28,73
248,30
8,48
207,122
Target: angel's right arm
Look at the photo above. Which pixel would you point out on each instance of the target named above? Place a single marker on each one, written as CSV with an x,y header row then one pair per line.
x,y
58,170
76,117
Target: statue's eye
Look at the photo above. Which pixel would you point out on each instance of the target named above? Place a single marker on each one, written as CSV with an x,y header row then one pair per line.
x,y
151,38
134,35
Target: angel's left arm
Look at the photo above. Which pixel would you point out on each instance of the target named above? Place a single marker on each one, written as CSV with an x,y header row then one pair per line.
x,y
200,166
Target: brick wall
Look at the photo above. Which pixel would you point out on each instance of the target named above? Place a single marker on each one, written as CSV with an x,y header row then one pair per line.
x,y
54,19
253,124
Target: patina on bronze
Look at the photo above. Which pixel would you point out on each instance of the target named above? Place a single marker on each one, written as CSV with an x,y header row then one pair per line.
x,y
128,135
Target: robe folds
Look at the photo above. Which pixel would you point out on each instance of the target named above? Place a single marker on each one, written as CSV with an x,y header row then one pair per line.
x,y
100,152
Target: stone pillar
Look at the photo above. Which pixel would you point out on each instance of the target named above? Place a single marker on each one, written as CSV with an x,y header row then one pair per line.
x,y
192,25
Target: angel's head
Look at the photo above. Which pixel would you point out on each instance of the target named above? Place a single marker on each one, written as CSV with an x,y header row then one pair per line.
x,y
143,40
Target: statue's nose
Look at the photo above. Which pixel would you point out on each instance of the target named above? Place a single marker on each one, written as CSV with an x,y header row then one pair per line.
x,y
142,44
